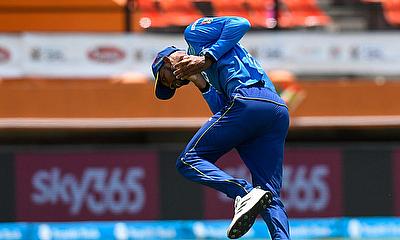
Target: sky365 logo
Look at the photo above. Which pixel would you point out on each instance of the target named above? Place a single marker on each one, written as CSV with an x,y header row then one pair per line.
x,y
99,190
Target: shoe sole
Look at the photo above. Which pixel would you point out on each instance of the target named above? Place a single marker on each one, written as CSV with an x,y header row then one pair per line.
x,y
246,221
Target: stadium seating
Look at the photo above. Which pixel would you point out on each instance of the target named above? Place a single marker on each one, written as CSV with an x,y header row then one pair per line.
x,y
165,13
303,13
258,12
149,15
230,8
179,13
392,11
390,8
261,13
295,13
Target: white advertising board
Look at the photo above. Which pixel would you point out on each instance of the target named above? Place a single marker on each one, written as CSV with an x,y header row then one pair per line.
x,y
109,55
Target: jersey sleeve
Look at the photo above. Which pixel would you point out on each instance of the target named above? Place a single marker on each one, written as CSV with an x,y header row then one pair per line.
x,y
217,35
215,100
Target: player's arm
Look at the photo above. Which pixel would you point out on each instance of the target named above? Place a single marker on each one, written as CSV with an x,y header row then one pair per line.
x,y
231,31
214,99
220,35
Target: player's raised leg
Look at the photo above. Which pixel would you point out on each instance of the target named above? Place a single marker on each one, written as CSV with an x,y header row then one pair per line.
x,y
216,137
225,130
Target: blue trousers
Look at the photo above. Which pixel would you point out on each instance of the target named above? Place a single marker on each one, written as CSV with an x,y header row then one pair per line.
x,y
255,122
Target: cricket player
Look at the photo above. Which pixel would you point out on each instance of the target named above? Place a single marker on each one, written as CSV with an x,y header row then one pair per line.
x,y
248,115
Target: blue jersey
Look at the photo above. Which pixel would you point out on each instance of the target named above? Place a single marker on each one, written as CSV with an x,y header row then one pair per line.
x,y
234,66
248,116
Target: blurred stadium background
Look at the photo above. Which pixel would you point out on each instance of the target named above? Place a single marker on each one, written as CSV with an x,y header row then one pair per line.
x,y
87,152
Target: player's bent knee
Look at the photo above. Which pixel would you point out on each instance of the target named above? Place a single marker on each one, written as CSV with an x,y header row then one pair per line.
x,y
180,165
183,167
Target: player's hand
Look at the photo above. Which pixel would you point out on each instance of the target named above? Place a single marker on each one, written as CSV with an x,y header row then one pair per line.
x,y
190,65
198,81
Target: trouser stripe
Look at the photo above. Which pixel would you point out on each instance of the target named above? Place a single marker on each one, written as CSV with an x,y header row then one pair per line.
x,y
198,140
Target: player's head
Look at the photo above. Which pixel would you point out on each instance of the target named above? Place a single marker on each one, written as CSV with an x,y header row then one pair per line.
x,y
165,81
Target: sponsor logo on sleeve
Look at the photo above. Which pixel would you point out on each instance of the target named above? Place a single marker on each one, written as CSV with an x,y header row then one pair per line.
x,y
206,21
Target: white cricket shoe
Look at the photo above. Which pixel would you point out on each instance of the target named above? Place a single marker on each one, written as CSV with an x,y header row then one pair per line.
x,y
247,210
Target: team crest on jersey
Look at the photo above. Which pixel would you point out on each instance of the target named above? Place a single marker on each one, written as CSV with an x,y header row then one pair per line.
x,y
206,21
